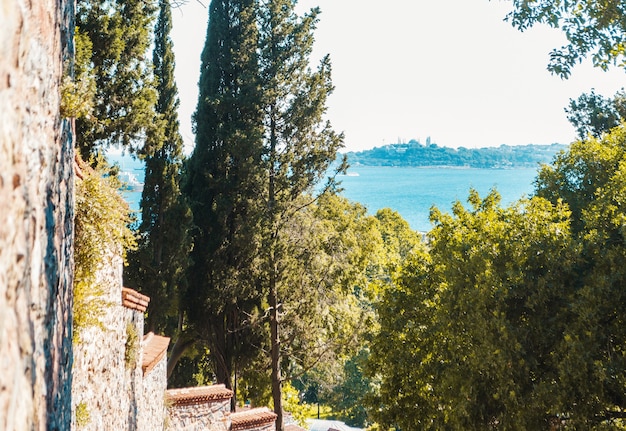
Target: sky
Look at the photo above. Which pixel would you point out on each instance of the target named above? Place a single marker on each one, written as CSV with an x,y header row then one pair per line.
x,y
451,70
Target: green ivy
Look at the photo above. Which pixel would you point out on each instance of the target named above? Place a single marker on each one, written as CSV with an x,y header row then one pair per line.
x,y
101,229
131,352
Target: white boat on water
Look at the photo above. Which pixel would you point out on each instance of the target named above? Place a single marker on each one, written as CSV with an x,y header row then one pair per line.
x,y
130,182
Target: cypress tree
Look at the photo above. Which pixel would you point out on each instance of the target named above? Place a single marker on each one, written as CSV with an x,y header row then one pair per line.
x,y
158,266
223,187
262,147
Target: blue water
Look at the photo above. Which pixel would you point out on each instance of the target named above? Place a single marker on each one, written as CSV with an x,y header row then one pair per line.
x,y
135,167
408,190
413,191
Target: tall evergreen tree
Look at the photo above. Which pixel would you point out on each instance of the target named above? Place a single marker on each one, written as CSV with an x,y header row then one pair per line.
x,y
223,186
123,106
262,146
299,148
157,267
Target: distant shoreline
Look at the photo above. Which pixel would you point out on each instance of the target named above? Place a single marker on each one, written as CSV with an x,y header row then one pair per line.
x,y
415,154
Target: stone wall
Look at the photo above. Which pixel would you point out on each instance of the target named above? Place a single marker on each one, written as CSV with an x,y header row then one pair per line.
x,y
99,361
208,408
152,409
36,216
107,385
209,416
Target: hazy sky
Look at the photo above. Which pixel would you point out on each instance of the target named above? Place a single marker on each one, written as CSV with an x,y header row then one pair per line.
x,y
449,69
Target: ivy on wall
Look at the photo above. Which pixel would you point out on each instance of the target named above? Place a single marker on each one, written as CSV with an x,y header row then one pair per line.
x,y
101,231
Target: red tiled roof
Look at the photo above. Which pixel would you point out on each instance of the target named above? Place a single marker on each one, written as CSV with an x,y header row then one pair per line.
x,y
251,418
134,300
198,395
154,349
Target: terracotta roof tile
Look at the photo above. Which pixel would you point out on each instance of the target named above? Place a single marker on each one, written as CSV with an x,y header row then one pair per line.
x,y
251,418
198,395
134,300
154,348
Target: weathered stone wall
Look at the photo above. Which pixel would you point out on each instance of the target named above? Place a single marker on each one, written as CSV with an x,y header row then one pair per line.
x,y
203,416
98,373
152,408
36,216
107,386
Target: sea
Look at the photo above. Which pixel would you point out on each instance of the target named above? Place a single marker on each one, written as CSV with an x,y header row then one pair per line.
x,y
411,191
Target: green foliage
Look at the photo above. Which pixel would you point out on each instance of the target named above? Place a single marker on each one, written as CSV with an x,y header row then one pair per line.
x,y
591,179
594,115
194,368
100,228
328,247
580,174
78,89
123,106
158,266
512,318
131,347
347,398
463,342
224,186
299,147
82,414
291,404
254,385
592,27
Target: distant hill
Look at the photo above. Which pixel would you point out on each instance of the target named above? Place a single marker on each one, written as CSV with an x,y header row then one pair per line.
x,y
416,154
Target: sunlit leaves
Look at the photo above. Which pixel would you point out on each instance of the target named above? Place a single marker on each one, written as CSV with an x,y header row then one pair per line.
x,y
594,28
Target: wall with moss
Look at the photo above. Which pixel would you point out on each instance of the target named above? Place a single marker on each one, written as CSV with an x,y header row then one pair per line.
x,y
107,377
36,210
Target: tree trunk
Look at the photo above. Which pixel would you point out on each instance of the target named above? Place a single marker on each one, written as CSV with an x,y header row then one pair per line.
x,y
276,375
181,344
273,284
221,352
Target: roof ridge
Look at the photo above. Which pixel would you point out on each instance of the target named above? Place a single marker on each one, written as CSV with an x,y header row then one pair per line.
x,y
252,411
249,419
198,394
154,349
134,300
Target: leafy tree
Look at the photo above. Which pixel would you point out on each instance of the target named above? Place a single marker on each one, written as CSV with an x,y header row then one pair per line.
x,y
223,185
123,106
578,175
347,397
467,335
513,318
592,27
339,382
594,115
299,147
158,266
399,241
590,179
